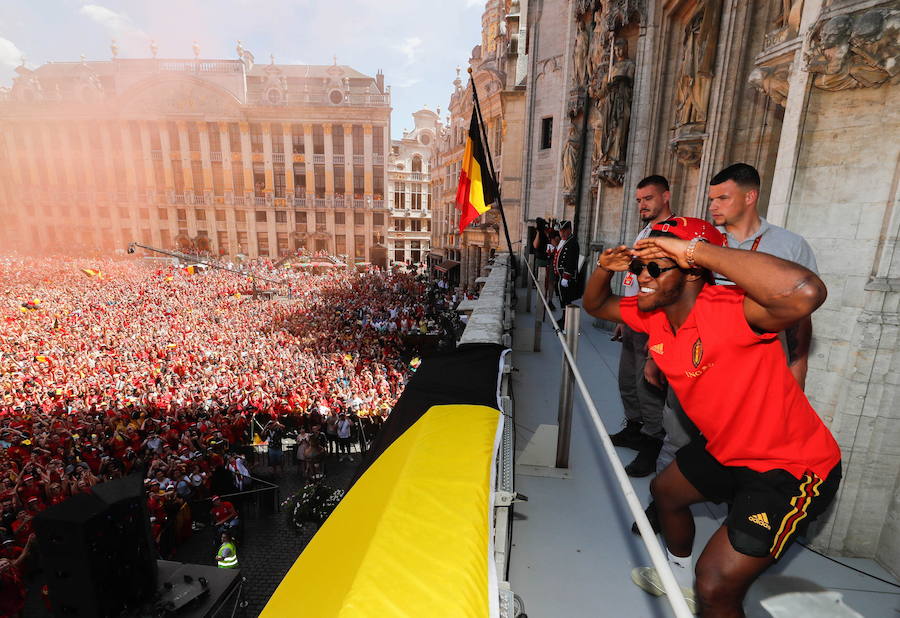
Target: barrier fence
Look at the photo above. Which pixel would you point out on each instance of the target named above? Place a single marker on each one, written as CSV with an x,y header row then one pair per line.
x,y
648,536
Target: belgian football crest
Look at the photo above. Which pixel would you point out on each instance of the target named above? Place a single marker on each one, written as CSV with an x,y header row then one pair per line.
x,y
697,352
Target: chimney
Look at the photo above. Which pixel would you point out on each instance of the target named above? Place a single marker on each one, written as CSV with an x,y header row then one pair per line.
x,y
379,81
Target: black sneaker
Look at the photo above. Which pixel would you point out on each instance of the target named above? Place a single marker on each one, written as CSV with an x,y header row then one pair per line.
x,y
645,462
630,437
652,516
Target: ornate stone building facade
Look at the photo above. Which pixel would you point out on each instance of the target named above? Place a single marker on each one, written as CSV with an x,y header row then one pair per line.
x,y
807,92
223,155
409,190
498,71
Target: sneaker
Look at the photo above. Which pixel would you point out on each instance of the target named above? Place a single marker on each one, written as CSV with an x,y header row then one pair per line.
x,y
645,462
652,516
630,437
647,579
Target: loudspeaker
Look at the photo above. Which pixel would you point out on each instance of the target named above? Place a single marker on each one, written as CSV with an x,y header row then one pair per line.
x,y
97,550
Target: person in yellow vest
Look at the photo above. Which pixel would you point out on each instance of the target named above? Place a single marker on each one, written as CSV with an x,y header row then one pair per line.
x,y
226,557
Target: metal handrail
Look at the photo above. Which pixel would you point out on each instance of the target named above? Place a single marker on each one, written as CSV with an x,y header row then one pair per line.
x,y
648,536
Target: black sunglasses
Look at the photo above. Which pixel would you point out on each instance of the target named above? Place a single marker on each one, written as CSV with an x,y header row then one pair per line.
x,y
653,269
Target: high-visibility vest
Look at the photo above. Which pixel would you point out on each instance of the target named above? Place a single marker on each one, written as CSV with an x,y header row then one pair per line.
x,y
229,561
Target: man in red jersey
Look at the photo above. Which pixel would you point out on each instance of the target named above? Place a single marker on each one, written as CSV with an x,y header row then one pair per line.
x,y
763,449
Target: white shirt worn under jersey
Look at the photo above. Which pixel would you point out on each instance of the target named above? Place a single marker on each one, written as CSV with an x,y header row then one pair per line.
x,y
630,282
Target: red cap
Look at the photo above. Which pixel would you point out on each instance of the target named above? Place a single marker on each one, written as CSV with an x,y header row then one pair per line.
x,y
688,228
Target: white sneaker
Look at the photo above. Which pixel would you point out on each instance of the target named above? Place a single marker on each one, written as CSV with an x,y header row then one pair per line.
x,y
647,579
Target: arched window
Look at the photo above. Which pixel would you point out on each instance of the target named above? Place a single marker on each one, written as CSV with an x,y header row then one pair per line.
x,y
417,164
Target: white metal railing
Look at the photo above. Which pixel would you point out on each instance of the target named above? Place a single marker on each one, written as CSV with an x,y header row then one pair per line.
x,y
359,159
657,557
277,157
338,159
318,158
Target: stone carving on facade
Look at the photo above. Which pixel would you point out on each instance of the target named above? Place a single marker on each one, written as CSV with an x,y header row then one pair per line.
x,y
785,24
698,57
613,93
570,157
694,82
26,86
772,81
621,12
580,55
598,47
860,50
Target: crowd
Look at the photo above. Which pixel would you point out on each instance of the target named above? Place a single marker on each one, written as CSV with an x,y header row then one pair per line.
x,y
118,365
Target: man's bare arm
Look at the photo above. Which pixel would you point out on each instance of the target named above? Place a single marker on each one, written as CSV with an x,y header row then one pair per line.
x,y
598,299
779,293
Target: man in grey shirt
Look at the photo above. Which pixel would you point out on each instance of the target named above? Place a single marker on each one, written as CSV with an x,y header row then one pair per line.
x,y
733,196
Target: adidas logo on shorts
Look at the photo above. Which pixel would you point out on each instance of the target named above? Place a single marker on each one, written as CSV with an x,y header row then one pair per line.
x,y
761,519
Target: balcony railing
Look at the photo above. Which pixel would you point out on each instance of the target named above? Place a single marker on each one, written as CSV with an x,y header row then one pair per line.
x,y
320,202
377,159
259,201
359,159
359,203
318,158
277,157
338,159
215,156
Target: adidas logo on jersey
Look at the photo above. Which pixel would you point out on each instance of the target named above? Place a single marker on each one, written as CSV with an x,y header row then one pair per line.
x,y
761,519
658,348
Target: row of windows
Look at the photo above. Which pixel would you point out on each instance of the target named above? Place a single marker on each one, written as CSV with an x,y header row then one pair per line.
x,y
284,243
116,178
91,136
220,216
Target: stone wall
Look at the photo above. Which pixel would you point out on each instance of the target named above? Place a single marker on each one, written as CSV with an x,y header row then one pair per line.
x,y
807,92
845,203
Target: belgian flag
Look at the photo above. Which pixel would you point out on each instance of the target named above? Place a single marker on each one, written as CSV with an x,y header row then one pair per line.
x,y
413,536
477,190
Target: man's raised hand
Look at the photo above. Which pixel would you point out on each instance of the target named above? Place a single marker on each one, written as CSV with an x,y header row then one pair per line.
x,y
659,247
616,259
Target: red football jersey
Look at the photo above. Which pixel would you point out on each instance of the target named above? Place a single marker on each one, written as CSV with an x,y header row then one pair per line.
x,y
734,383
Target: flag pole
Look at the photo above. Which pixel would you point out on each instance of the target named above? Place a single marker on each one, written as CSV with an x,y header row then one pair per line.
x,y
487,149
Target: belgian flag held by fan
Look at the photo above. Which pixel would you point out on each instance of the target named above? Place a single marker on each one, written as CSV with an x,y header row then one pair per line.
x,y
477,190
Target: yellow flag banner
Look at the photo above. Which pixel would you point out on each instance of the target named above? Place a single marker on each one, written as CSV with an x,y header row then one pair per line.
x,y
414,534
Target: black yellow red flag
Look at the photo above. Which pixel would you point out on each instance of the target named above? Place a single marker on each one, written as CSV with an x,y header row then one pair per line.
x,y
476,190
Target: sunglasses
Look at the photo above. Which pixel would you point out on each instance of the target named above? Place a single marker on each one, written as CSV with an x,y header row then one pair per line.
x,y
637,267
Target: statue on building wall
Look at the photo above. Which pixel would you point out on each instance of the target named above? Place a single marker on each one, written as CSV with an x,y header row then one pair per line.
x,y
613,92
570,155
598,48
788,14
773,81
581,55
698,57
855,51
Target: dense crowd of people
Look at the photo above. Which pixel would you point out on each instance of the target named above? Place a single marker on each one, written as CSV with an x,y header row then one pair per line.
x,y
119,365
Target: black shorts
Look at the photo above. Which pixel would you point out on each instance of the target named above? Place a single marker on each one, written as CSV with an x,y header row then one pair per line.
x,y
768,509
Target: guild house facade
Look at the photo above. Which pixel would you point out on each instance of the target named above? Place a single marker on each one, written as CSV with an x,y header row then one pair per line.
x,y
226,156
